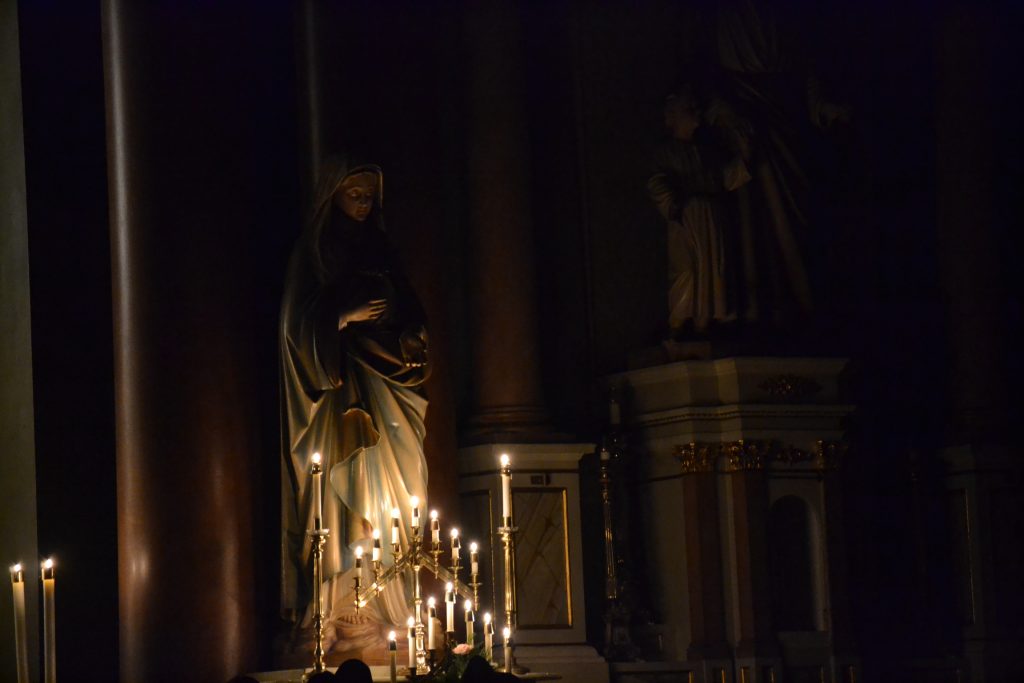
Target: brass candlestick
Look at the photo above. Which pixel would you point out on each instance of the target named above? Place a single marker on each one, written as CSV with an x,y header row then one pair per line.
x,y
508,531
319,538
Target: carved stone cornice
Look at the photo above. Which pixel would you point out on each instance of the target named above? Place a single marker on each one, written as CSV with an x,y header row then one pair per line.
x,y
790,386
753,455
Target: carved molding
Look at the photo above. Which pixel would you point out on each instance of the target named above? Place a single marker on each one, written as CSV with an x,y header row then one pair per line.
x,y
790,386
744,455
696,457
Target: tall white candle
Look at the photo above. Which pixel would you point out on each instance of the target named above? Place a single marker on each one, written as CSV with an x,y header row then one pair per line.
x,y
470,622
20,630
318,506
393,656
449,603
376,545
474,559
506,488
435,528
507,633
396,515
49,623
415,502
431,618
411,623
488,638
456,546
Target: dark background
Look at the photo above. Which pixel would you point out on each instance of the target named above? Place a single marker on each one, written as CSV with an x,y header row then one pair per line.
x,y
221,157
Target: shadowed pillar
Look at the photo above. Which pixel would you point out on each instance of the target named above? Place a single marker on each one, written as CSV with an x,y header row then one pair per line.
x,y
195,332
984,469
749,502
508,403
704,564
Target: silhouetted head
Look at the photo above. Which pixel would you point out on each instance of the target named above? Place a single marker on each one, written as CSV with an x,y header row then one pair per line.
x,y
478,671
322,677
353,671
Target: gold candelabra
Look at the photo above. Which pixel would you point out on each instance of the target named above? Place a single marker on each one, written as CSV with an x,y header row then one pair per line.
x,y
414,559
319,536
507,531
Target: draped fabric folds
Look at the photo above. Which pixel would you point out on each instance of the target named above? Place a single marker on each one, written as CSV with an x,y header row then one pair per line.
x,y
352,395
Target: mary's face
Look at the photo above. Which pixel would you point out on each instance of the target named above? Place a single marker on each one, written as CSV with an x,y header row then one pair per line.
x,y
356,194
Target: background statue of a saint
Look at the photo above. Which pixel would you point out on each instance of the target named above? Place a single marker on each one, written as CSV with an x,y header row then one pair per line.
x,y
353,352
690,176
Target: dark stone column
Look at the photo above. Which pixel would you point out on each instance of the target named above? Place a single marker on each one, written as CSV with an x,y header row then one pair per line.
x,y
704,564
508,402
203,209
750,514
844,645
985,473
969,251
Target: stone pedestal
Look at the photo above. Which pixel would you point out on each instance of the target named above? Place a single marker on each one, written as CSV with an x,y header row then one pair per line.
x,y
735,461
551,633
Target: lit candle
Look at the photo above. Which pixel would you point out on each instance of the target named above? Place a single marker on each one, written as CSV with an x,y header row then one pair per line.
x,y
20,630
470,622
396,515
318,507
449,603
488,637
393,656
506,490
411,623
431,618
415,512
49,624
359,558
474,560
376,545
435,528
507,632
456,546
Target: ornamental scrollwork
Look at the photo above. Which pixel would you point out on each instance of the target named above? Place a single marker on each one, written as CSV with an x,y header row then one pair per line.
x,y
747,455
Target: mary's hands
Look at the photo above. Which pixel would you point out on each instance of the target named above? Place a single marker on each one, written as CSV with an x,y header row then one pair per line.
x,y
371,310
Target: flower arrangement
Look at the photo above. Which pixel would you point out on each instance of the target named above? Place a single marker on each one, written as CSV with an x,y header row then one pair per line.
x,y
453,666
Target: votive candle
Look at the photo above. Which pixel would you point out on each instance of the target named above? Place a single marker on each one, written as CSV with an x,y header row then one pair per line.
x,y
449,603
49,623
20,630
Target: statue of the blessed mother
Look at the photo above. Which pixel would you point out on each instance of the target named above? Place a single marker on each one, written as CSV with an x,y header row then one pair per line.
x,y
353,351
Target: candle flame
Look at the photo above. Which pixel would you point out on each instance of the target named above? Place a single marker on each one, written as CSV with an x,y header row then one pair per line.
x,y
487,617
431,601
316,458
359,552
410,622
433,514
505,460
48,564
507,632
391,635
396,513
414,501
376,534
16,568
473,546
449,586
468,605
455,533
